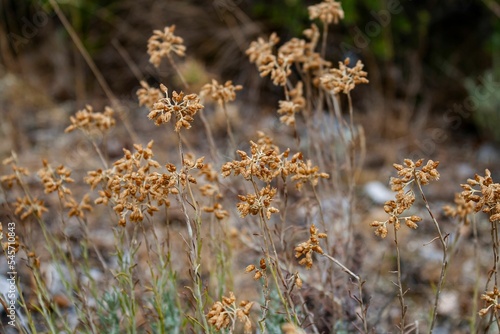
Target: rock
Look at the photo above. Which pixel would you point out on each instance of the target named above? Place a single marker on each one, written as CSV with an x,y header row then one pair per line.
x,y
378,192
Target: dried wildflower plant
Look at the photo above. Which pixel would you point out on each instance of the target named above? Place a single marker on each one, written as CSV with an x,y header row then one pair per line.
x,y
182,106
307,248
148,96
491,299
462,209
344,79
407,174
220,93
135,185
258,272
225,313
485,194
328,11
88,121
163,43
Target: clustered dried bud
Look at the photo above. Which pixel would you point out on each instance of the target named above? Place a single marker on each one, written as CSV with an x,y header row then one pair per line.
x,y
404,200
486,198
259,273
266,162
295,104
182,106
88,121
344,78
223,314
328,11
307,248
462,209
162,43
26,205
255,204
147,95
211,190
54,180
491,299
134,186
220,93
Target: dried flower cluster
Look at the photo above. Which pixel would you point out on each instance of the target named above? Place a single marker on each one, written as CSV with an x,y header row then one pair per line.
x,y
485,194
261,202
492,302
266,162
307,248
220,93
295,104
260,272
162,43
405,199
55,180
26,205
87,120
223,314
260,52
182,106
328,11
147,95
344,78
462,209
133,185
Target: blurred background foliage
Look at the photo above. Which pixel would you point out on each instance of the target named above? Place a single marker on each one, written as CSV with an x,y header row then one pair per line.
x,y
426,58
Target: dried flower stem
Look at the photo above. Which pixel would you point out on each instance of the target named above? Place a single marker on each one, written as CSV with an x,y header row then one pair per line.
x,y
444,264
399,284
229,129
338,263
177,71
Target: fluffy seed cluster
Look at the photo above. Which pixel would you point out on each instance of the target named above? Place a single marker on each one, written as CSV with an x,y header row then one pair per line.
x,y
87,120
408,174
135,185
462,209
307,248
485,194
259,272
148,96
492,302
182,106
344,78
328,11
220,93
223,314
162,43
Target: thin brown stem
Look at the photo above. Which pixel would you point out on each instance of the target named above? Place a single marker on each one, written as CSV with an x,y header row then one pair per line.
x,y
444,265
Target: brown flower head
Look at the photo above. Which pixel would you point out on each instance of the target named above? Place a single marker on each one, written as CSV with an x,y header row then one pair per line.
x,y
327,11
220,93
223,314
162,43
344,78
485,194
87,120
182,106
307,248
492,302
255,203
147,95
